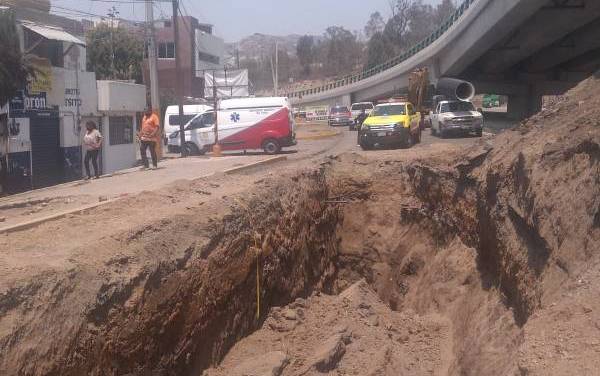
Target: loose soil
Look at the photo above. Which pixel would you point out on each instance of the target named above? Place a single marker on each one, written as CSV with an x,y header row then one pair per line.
x,y
442,262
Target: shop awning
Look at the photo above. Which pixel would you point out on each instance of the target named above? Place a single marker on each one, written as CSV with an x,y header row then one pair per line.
x,y
53,33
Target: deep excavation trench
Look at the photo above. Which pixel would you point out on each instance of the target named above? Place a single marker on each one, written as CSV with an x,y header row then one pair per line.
x,y
478,262
422,238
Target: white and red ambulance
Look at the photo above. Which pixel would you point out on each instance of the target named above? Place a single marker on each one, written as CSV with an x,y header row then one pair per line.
x,y
243,124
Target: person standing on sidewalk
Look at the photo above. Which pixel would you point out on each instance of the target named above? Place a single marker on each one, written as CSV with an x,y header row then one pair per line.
x,y
149,137
92,142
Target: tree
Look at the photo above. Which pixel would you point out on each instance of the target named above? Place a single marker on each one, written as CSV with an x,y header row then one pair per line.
x,y
421,22
375,25
397,26
443,11
305,50
378,50
128,50
14,67
341,51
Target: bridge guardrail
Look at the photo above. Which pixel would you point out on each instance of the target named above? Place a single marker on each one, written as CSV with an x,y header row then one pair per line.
x,y
366,73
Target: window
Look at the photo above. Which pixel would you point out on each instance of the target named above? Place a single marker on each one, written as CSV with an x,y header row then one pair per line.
x,y
390,110
206,120
339,110
456,107
203,56
120,130
166,50
174,119
362,106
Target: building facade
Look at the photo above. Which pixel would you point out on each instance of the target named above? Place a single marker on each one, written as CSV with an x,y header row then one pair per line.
x,y
199,49
42,127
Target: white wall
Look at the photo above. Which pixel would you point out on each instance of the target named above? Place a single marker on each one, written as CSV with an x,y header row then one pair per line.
x,y
116,96
119,99
65,83
212,45
70,90
117,157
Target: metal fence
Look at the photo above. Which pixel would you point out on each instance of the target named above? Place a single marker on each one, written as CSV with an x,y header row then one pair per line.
x,y
366,73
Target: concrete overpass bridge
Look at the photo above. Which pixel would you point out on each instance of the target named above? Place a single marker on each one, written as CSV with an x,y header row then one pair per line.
x,y
524,49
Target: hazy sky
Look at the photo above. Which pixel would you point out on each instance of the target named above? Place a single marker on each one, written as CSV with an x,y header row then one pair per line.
x,y
235,19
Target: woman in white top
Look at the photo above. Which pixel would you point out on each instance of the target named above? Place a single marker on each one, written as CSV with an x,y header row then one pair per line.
x,y
92,142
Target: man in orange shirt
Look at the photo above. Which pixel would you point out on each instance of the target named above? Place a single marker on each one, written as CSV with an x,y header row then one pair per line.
x,y
149,137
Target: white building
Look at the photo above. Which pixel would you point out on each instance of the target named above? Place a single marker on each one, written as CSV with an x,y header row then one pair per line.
x,y
210,52
46,120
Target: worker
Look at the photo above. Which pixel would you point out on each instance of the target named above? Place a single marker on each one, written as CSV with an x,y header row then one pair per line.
x,y
149,137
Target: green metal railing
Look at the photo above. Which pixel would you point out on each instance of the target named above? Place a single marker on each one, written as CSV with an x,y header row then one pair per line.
x,y
366,73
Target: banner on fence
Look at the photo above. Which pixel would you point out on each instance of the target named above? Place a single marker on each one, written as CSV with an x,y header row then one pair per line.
x,y
317,113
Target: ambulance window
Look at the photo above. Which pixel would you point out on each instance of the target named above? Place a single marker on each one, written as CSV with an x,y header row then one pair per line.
x,y
208,119
195,124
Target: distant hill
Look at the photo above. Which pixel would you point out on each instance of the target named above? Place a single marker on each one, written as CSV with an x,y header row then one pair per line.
x,y
258,45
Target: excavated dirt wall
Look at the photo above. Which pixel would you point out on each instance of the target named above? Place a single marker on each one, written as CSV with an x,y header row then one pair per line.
x,y
489,238
178,317
475,255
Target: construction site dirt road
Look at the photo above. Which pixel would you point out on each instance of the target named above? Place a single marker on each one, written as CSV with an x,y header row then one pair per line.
x,y
459,257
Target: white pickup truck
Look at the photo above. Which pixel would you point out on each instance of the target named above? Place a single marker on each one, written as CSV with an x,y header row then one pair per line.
x,y
456,117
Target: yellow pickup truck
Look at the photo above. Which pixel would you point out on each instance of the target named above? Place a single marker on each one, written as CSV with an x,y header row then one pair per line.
x,y
391,124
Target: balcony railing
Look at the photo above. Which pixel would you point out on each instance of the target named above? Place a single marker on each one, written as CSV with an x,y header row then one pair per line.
x,y
366,73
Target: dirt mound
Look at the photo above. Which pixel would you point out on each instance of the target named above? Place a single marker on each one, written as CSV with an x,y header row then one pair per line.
x,y
353,333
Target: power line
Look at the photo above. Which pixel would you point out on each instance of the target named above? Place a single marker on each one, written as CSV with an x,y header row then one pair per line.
x,y
76,11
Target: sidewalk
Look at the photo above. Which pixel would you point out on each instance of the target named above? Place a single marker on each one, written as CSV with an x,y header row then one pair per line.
x,y
51,201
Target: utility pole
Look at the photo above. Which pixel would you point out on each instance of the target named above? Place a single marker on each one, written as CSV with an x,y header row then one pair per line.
x,y
112,14
216,146
179,77
152,63
276,69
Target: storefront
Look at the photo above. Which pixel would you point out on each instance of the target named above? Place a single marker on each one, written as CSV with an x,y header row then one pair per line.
x,y
42,127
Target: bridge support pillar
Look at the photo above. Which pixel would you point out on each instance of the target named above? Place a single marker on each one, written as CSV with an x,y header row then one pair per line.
x,y
524,105
346,100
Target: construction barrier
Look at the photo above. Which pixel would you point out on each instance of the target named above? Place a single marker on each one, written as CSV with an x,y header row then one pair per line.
x,y
317,113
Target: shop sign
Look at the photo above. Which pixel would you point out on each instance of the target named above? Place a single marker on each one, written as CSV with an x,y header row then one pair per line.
x,y
25,101
42,80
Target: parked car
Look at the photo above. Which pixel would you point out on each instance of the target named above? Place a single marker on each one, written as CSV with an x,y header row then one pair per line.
x,y
391,124
340,115
357,108
457,117
243,124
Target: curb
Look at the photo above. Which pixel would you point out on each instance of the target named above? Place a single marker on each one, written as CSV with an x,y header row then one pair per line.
x,y
255,164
